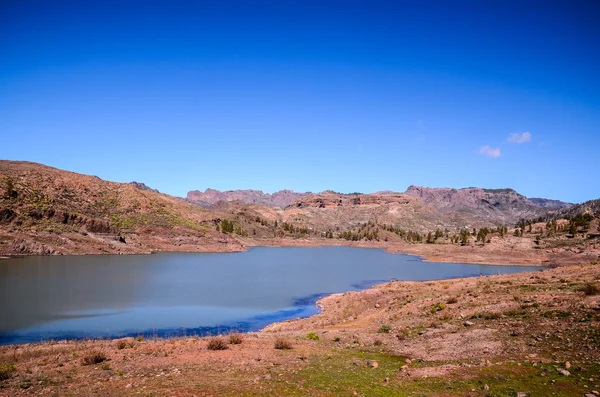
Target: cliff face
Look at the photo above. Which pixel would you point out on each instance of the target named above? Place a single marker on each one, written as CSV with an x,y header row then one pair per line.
x,y
281,199
495,205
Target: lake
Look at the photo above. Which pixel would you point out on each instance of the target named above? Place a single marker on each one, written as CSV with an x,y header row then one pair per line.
x,y
164,294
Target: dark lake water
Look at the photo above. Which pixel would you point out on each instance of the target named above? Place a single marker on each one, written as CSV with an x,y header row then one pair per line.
x,y
192,293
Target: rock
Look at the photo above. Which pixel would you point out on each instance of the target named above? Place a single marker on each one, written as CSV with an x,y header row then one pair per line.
x,y
387,380
404,368
129,386
523,394
563,372
372,363
567,365
468,323
408,361
377,306
486,387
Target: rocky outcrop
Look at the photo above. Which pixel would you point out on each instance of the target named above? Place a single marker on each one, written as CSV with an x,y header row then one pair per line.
x,y
142,186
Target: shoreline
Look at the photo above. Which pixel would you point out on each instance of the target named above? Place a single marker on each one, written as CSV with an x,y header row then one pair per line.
x,y
318,304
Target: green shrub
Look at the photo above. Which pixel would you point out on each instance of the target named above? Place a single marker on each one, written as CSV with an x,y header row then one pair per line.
x,y
312,336
384,329
437,307
6,371
452,300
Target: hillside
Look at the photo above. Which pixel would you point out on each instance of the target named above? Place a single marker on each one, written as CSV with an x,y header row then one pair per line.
x,y
281,199
44,210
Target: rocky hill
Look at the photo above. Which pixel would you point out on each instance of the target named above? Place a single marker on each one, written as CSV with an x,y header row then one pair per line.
x,y
336,211
550,204
504,206
46,210
591,207
281,199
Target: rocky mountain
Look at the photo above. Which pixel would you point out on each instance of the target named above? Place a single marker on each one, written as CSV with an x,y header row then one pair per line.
x,y
44,210
504,206
281,199
591,207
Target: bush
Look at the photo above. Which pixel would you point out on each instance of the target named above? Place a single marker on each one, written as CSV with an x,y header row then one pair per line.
x,y
124,343
312,336
452,300
437,307
139,338
283,344
236,339
590,289
93,357
337,339
384,329
105,366
6,371
216,343
491,315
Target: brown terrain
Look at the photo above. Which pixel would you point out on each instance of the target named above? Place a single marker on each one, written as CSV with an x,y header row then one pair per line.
x,y
528,334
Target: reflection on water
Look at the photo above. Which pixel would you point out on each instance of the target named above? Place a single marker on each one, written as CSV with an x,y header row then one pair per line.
x,y
177,293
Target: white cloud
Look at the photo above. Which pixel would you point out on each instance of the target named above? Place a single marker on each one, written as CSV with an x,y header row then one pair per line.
x,y
488,151
519,137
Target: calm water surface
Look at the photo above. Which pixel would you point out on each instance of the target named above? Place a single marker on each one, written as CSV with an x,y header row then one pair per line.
x,y
192,293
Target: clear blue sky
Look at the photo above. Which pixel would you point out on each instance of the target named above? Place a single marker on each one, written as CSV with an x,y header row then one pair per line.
x,y
307,95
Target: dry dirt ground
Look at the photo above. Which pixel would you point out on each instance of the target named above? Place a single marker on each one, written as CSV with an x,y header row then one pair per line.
x,y
536,333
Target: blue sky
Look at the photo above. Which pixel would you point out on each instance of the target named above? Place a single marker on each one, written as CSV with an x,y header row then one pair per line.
x,y
307,95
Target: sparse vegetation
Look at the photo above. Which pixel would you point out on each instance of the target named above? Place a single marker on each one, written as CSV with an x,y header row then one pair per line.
x,y
312,336
384,329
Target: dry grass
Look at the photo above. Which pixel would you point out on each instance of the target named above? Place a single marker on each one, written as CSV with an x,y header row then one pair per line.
x,y
216,343
283,344
590,289
93,357
236,339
